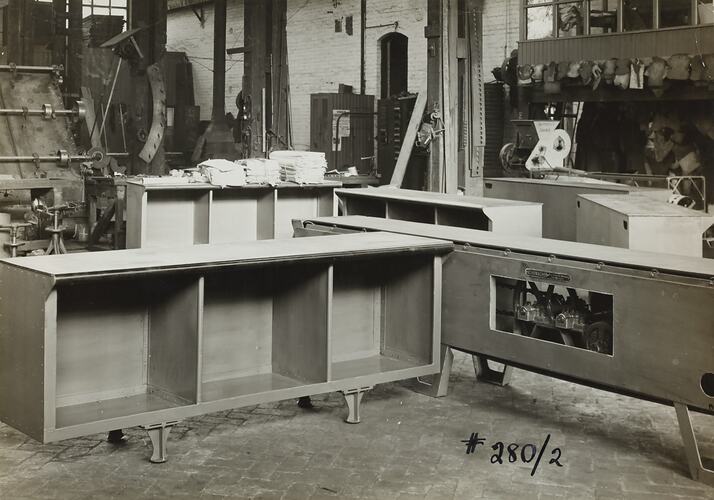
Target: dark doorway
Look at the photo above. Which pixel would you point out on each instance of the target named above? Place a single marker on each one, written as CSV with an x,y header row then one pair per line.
x,y
395,59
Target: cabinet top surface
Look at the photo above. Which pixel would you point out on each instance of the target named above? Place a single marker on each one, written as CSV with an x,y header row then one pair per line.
x,y
201,186
215,256
564,182
642,206
526,244
450,200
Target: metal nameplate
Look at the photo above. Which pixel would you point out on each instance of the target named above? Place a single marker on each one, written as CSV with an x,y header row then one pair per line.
x,y
538,274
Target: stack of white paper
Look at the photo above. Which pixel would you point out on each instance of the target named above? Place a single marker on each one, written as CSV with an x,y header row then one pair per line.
x,y
261,171
302,167
223,173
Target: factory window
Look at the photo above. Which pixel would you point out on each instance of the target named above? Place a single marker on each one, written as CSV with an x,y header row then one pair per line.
x,y
395,56
569,18
675,13
541,21
115,8
104,8
705,11
603,16
638,15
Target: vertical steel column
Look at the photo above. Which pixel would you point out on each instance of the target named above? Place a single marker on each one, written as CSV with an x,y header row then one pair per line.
x,y
219,142
74,50
219,62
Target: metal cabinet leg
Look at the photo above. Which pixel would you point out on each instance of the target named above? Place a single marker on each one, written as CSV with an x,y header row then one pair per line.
x,y
116,436
159,435
696,467
485,373
440,386
353,398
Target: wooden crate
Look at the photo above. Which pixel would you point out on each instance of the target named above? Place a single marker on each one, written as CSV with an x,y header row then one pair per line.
x,y
194,214
138,337
500,216
640,223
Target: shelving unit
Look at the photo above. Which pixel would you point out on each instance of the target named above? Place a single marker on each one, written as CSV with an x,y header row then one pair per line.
x,y
470,212
192,214
140,337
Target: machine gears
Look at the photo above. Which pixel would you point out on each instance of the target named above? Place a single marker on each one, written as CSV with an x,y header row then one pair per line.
x,y
598,337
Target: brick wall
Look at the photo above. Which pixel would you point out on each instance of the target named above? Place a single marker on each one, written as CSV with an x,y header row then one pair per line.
x,y
320,58
501,29
185,34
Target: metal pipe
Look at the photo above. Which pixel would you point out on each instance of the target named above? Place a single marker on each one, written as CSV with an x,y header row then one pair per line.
x,y
38,112
61,157
29,69
219,62
43,159
109,101
363,45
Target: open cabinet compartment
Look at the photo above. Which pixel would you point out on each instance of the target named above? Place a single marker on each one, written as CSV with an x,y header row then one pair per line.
x,y
300,203
382,316
264,329
461,217
242,215
125,347
412,212
358,205
176,217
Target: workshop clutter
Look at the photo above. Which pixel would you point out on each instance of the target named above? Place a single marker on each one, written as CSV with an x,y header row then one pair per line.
x,y
261,171
301,167
653,73
223,173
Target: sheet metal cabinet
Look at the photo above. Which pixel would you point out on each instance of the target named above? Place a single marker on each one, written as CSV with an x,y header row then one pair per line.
x,y
500,216
558,199
194,214
661,323
104,341
640,223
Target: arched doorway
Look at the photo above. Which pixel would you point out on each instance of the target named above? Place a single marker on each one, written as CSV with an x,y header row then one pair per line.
x,y
395,61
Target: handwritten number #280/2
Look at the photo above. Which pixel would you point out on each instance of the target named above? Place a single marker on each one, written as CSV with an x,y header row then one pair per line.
x,y
528,453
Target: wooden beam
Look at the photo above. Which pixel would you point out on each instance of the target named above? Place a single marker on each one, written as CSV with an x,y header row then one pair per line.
x,y
409,137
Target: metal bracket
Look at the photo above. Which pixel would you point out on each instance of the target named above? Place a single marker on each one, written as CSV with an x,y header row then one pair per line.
x,y
485,373
353,398
201,17
159,435
694,459
440,385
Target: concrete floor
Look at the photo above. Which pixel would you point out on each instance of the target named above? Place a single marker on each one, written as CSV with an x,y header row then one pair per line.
x,y
408,447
